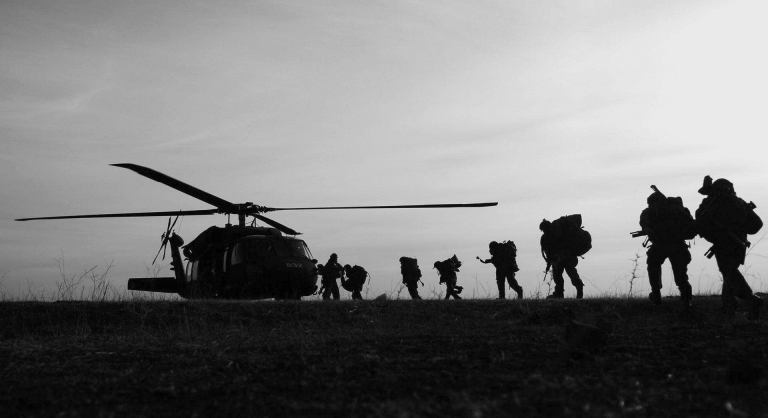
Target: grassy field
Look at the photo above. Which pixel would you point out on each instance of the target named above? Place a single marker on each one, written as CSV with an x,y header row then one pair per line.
x,y
397,358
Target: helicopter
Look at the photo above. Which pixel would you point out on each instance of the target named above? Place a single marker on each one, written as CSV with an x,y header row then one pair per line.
x,y
240,261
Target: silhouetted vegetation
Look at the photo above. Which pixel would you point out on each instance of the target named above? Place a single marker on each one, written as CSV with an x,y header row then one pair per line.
x,y
592,357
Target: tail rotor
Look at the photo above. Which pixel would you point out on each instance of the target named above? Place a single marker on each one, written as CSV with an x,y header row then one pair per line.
x,y
165,238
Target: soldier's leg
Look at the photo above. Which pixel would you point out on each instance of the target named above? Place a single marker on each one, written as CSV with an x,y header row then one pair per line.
x,y
557,277
454,293
729,269
738,286
326,290
514,285
356,295
655,260
413,290
335,291
570,268
679,261
500,283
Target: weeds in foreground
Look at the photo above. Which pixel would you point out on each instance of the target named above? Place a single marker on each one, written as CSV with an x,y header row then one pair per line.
x,y
633,275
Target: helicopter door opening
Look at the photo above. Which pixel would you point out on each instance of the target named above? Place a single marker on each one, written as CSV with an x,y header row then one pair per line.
x,y
236,255
192,271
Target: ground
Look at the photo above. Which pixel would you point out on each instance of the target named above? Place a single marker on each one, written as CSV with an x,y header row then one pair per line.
x,y
473,358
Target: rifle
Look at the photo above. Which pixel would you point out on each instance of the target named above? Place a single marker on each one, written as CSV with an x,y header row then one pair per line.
x,y
656,189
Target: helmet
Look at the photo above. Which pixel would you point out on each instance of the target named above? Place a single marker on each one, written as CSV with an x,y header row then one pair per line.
x,y
544,225
655,197
723,186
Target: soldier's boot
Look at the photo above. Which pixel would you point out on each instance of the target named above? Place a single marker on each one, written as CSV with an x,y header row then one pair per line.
x,y
686,294
580,292
655,296
556,295
519,291
755,303
502,290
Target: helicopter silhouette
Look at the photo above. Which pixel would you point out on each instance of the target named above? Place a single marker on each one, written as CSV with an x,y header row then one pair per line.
x,y
237,261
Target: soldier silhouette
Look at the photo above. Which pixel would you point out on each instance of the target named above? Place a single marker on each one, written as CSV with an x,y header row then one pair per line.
x,y
330,272
409,268
447,270
356,277
668,224
503,257
562,242
725,220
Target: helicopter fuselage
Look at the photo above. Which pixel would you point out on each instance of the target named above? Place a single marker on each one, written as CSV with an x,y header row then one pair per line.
x,y
239,263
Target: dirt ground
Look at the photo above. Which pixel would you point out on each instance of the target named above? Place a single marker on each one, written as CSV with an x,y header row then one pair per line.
x,y
473,358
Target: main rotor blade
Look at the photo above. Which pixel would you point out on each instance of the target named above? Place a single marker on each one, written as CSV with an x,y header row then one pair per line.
x,y
282,228
446,205
131,215
181,186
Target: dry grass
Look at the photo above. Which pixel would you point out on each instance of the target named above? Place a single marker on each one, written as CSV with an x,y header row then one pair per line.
x,y
379,358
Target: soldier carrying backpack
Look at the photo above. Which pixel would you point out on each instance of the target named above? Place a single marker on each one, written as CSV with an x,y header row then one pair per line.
x,y
409,268
562,242
503,257
725,220
668,224
356,277
447,270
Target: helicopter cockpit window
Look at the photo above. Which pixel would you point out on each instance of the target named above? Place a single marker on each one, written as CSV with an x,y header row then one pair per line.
x,y
299,249
258,248
281,248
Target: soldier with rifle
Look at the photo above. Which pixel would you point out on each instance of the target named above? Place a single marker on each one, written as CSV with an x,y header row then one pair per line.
x,y
409,268
330,272
667,224
725,220
503,257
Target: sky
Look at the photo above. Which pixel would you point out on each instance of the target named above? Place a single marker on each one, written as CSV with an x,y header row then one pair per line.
x,y
548,108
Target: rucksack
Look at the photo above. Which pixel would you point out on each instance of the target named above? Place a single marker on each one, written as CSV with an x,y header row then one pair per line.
x,y
681,218
508,250
718,212
358,273
355,279
410,267
574,237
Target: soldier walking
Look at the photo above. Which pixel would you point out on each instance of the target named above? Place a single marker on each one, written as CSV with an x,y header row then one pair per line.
x,y
330,272
504,258
356,277
409,268
562,242
447,270
725,220
668,224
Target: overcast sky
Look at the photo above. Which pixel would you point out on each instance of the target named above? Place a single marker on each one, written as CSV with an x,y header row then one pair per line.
x,y
549,108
